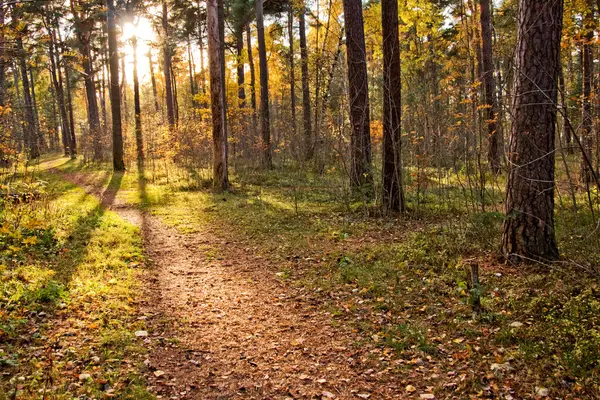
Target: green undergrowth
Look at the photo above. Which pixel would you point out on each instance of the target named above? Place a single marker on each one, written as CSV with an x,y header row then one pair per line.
x,y
404,283
68,293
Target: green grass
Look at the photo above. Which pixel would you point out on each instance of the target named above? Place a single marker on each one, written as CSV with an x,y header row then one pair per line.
x,y
404,281
69,296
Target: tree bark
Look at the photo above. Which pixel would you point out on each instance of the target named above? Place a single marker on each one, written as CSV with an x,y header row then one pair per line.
x,y
167,66
115,94
252,74
360,140
153,80
529,224
587,59
308,140
489,87
58,88
292,70
265,122
239,41
392,193
217,96
30,135
139,142
2,61
83,30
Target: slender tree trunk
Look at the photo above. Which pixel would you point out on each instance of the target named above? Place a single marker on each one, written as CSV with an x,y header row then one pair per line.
x,y
529,224
565,111
175,96
83,35
252,74
292,70
360,140
71,137
239,41
123,88
137,108
167,66
587,60
191,71
489,87
2,60
264,87
201,45
217,97
30,135
308,139
153,80
58,89
36,116
392,193
115,94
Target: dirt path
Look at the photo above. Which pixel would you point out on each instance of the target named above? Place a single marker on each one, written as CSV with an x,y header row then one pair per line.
x,y
222,325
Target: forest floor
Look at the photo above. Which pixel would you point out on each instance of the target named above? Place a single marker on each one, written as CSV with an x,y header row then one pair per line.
x,y
255,295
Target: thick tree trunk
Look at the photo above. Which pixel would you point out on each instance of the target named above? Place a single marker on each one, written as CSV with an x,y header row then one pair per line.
x,y
167,66
217,97
392,195
265,122
153,80
292,71
489,87
360,140
115,94
139,142
529,224
308,139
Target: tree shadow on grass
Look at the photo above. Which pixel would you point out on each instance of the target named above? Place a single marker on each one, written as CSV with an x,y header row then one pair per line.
x,y
83,229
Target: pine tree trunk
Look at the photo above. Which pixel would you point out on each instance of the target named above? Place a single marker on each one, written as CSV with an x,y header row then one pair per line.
x,y
153,80
167,66
292,71
239,41
58,89
217,97
529,224
265,122
71,137
30,135
137,108
587,59
360,140
392,194
83,31
308,139
252,74
2,61
115,94
489,87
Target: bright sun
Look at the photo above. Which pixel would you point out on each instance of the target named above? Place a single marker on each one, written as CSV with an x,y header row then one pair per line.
x,y
145,35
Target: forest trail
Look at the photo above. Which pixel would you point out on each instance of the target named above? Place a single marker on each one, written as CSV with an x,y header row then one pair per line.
x,y
222,325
